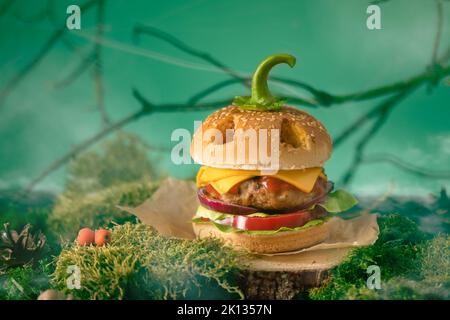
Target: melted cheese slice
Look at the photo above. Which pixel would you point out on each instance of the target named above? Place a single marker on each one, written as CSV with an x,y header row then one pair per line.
x,y
224,179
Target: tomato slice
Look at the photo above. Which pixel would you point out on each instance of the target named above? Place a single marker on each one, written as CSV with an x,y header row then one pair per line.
x,y
289,220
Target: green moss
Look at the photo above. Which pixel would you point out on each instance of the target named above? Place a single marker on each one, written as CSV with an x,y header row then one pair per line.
x,y
412,267
396,252
119,173
141,264
97,209
432,280
436,259
25,282
119,160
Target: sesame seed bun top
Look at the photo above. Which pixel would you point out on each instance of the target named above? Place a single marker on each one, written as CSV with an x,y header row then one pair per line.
x,y
303,141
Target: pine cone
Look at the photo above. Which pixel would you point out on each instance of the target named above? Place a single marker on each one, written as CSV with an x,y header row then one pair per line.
x,y
19,248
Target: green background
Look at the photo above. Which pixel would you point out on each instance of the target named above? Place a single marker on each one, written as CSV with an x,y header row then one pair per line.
x,y
335,52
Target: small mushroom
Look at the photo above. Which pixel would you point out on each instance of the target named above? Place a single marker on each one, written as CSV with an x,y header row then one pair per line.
x,y
52,294
85,237
102,237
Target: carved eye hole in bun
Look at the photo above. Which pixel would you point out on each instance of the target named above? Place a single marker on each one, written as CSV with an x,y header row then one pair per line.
x,y
294,135
222,125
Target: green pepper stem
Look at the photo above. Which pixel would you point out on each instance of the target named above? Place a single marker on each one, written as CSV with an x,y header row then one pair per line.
x,y
260,89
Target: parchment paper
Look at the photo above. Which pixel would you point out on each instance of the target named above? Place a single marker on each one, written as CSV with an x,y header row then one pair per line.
x,y
172,206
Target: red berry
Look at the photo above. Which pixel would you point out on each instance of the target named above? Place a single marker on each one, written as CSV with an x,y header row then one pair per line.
x,y
102,237
86,236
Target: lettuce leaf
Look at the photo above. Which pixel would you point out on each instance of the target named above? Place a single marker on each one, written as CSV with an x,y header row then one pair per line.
x,y
338,201
225,228
203,212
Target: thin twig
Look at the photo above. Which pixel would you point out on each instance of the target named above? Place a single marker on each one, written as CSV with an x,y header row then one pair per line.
x,y
222,84
434,65
396,86
45,49
358,123
176,107
195,98
83,146
399,89
348,176
75,73
383,112
445,56
402,86
440,23
98,65
323,98
406,166
86,59
17,78
141,29
147,108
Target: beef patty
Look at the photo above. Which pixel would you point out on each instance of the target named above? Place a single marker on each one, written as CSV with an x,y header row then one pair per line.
x,y
258,194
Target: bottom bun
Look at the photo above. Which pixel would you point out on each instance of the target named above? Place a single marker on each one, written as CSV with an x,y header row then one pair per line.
x,y
274,243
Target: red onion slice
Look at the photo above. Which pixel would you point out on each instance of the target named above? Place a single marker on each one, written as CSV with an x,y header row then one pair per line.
x,y
220,206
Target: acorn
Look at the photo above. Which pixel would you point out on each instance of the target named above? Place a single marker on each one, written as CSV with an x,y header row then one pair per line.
x,y
86,236
102,237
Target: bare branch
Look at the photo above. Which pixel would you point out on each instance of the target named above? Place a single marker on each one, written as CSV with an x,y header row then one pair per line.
x,y
352,128
222,84
98,66
445,56
440,24
419,79
359,150
382,115
83,146
402,86
16,79
406,166
147,108
176,107
399,89
75,73
45,49
141,29
87,59
212,89
323,98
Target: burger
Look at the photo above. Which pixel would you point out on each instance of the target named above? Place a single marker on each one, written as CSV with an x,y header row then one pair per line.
x,y
280,205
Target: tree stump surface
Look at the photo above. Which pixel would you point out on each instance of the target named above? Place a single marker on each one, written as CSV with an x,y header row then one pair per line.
x,y
282,277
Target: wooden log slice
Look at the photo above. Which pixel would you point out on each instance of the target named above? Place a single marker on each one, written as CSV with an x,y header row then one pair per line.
x,y
283,277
